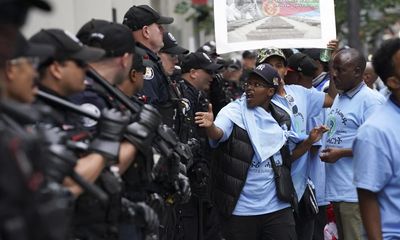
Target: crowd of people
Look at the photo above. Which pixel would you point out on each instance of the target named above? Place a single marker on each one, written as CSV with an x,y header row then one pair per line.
x,y
119,133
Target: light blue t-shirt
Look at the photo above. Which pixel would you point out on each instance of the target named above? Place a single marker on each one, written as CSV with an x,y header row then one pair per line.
x,y
348,112
377,164
258,195
316,166
304,104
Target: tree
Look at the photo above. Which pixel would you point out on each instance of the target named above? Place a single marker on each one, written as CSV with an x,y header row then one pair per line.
x,y
373,16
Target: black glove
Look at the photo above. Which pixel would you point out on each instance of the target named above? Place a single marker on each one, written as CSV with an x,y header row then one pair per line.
x,y
52,135
184,191
110,129
199,175
142,132
141,215
61,162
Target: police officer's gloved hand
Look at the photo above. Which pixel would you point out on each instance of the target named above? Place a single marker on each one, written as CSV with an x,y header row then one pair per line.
x,y
141,214
61,162
199,175
184,188
142,132
52,135
109,132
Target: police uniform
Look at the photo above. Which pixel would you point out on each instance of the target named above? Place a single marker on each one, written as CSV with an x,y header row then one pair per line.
x,y
92,219
28,206
197,219
159,90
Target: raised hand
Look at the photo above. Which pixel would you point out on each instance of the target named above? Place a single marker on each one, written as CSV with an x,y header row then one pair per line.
x,y
205,119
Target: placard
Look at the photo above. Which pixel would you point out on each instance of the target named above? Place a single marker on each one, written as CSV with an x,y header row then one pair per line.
x,y
254,24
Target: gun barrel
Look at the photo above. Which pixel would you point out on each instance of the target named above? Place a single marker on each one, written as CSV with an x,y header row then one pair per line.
x,y
68,105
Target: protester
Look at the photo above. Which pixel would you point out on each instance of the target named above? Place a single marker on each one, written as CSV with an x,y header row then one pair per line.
x,y
351,108
247,138
376,164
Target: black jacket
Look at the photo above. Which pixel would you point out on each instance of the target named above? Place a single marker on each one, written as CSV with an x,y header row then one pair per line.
x,y
229,170
232,162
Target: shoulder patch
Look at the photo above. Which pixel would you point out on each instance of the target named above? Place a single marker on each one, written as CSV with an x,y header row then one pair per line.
x,y
149,73
88,122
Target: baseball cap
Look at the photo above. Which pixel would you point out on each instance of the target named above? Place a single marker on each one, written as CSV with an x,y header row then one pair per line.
x,y
267,73
41,4
171,46
198,60
249,54
233,64
313,53
88,28
266,53
28,49
300,62
208,48
114,38
67,45
143,15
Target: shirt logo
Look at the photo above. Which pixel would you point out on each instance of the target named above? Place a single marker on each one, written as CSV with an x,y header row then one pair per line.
x,y
171,37
149,73
73,37
260,67
207,57
88,107
331,122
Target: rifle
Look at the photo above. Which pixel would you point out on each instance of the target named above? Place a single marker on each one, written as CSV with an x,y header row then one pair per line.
x,y
19,111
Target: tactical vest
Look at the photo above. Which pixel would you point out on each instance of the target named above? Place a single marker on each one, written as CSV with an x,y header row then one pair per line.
x,y
170,110
31,206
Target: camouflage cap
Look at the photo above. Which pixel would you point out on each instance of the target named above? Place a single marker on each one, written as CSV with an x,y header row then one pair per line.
x,y
266,53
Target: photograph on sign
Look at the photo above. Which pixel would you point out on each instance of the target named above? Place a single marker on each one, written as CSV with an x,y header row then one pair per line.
x,y
251,24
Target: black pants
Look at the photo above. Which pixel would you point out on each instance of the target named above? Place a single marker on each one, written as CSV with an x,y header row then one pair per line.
x,y
320,223
304,222
278,225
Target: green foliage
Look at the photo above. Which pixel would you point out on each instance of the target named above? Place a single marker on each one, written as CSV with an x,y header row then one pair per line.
x,y
202,15
376,16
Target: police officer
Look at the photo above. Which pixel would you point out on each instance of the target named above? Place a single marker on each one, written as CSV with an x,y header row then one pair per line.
x,y
61,77
169,54
147,30
116,68
27,204
197,74
231,79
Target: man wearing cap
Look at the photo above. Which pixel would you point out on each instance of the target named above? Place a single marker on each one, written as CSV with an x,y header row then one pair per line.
x,y
61,77
248,138
25,163
231,74
170,52
303,104
322,76
197,71
20,71
116,68
147,30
